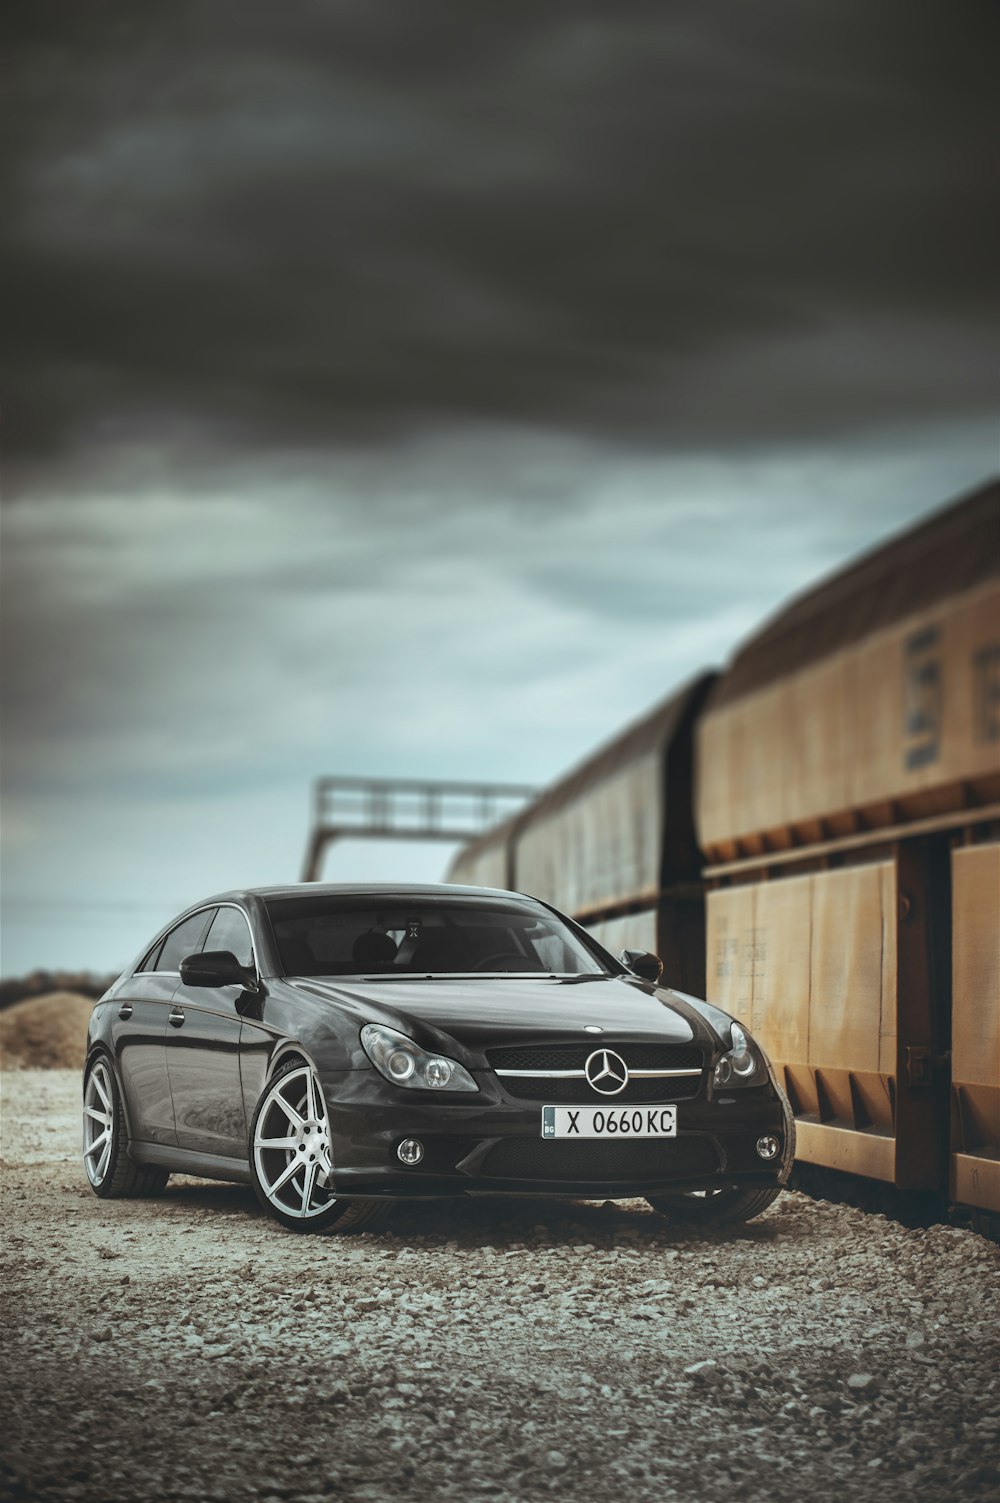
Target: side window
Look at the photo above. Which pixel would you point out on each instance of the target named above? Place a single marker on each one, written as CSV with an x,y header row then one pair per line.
x,y
184,940
148,961
230,931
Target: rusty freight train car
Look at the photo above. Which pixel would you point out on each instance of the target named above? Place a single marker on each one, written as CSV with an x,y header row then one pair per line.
x,y
812,839
613,843
849,814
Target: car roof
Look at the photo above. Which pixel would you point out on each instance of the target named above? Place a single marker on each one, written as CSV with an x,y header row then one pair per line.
x,y
374,889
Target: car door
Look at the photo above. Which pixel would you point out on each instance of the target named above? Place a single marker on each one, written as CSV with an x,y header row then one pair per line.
x,y
203,1049
139,1029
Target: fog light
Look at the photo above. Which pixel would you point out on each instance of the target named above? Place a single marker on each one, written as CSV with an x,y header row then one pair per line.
x,y
768,1147
410,1151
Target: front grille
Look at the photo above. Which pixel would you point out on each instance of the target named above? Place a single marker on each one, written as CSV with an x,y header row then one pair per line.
x,y
636,1093
600,1162
575,1056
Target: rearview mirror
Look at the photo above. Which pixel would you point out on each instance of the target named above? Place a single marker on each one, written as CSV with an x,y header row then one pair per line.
x,y
216,968
642,963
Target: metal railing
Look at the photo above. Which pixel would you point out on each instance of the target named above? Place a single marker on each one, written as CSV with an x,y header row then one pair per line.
x,y
406,809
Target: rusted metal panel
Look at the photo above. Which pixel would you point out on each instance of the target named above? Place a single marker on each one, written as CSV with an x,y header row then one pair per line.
x,y
873,699
634,931
619,829
730,945
488,861
852,1022
613,839
975,1061
810,963
954,551
485,864
842,1148
975,1181
674,930
855,846
782,966
841,975
602,847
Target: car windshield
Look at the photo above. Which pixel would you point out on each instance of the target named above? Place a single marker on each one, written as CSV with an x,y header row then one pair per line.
x,y
337,936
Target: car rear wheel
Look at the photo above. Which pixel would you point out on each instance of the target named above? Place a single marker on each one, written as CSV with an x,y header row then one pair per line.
x,y
726,1206
112,1174
292,1162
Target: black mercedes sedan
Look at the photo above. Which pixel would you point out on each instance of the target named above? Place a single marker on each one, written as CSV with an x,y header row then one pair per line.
x,y
342,1047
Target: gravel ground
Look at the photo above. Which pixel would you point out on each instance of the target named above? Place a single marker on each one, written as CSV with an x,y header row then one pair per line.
x,y
188,1348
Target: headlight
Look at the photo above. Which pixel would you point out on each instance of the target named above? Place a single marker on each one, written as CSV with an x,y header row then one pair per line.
x,y
743,1064
404,1063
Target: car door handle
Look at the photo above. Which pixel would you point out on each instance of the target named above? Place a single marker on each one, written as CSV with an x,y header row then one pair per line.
x,y
176,1017
125,1011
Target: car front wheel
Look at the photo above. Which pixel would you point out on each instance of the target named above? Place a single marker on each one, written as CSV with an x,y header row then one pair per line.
x,y
726,1206
291,1159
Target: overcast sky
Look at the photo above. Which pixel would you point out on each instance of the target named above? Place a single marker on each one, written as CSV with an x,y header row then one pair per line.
x,y
428,389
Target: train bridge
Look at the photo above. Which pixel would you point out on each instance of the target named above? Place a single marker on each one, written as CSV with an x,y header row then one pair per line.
x,y
405,809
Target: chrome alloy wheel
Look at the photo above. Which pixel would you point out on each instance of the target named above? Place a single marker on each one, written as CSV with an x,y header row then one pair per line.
x,y
291,1146
98,1123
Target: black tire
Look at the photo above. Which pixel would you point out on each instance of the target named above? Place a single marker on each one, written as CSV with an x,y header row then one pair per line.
x,y
325,1211
728,1206
118,1177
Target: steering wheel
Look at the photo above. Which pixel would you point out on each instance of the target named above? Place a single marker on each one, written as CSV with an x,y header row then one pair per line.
x,y
490,960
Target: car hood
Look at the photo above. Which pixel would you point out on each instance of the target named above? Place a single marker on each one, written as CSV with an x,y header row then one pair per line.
x,y
481,1012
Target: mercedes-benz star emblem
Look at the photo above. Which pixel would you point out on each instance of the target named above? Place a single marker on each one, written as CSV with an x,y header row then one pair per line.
x,y
607,1072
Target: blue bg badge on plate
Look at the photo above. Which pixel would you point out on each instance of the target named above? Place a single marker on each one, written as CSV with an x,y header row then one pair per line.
x,y
548,1121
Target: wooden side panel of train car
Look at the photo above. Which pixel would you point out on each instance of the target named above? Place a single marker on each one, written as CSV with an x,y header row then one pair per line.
x,y
636,931
675,930
601,847
613,843
975,1064
847,748
901,725
811,964
484,864
489,860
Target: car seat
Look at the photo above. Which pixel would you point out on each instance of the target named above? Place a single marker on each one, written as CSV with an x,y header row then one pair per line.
x,y
298,957
374,949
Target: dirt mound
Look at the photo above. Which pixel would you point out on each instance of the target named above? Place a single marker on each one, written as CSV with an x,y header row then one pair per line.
x,y
47,1032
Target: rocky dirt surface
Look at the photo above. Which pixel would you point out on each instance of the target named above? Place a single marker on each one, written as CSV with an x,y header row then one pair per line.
x,y
188,1348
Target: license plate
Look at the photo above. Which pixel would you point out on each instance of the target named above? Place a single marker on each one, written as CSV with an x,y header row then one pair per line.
x,y
609,1121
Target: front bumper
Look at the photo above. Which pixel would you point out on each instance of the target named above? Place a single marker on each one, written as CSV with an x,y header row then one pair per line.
x,y
491,1144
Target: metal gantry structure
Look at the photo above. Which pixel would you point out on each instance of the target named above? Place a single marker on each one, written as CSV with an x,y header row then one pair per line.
x,y
405,809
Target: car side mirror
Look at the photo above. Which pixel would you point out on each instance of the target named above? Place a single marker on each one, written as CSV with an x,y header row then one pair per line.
x,y
642,963
216,968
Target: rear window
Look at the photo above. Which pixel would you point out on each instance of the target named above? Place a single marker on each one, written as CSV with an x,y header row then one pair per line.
x,y
400,937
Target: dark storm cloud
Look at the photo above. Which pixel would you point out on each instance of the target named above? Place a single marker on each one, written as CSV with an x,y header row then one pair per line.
x,y
277,226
